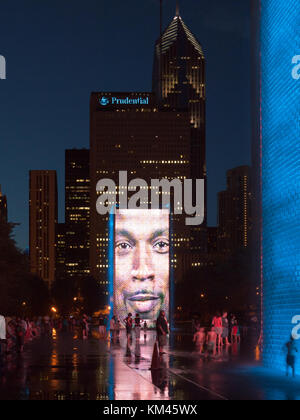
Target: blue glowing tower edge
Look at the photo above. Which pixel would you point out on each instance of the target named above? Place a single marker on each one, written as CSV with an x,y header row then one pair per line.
x,y
110,272
280,121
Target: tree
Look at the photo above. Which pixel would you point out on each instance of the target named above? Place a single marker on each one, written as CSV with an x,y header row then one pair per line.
x,y
63,292
17,284
90,292
34,291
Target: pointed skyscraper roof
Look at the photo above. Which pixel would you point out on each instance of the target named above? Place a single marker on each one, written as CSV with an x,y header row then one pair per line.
x,y
176,31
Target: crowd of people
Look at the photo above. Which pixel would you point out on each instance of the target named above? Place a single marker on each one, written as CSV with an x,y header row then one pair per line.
x,y
112,327
223,331
16,332
162,329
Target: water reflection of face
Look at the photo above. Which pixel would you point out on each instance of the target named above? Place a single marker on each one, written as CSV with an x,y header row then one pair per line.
x,y
142,262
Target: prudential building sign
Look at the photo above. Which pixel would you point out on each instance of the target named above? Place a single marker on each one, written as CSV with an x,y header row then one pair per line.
x,y
105,101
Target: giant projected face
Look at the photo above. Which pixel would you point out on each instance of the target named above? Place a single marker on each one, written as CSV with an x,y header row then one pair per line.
x,y
142,259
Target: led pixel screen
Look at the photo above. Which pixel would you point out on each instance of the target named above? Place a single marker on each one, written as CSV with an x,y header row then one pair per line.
x,y
280,52
141,264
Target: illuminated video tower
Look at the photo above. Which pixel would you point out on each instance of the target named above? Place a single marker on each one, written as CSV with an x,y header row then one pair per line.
x,y
280,46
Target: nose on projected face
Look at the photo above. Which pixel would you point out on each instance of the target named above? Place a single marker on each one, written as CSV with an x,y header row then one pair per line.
x,y
143,265
144,298
142,274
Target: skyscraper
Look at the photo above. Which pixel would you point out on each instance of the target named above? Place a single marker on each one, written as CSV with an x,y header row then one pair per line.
x,y
42,224
77,212
129,133
179,84
60,252
3,207
235,211
212,240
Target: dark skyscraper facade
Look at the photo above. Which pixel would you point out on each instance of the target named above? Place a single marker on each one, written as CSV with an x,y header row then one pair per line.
x,y
77,212
42,224
3,207
129,133
179,84
60,252
235,211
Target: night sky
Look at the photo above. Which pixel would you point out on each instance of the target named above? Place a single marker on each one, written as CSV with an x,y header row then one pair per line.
x,y
57,52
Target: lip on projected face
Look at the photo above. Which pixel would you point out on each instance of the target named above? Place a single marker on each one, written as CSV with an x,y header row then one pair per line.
x,y
143,298
143,302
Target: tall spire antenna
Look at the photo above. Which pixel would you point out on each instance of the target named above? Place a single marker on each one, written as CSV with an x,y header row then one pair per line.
x,y
177,8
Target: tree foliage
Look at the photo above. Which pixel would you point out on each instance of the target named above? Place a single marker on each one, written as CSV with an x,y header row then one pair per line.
x,y
90,292
17,285
63,293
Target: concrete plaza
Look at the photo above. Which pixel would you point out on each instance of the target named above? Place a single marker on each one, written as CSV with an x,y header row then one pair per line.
x,y
65,367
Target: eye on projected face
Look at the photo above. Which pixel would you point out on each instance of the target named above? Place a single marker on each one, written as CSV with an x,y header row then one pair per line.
x,y
142,246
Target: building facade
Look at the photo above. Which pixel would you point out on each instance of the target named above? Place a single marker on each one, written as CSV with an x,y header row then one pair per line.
x,y
179,84
42,224
77,213
129,133
235,211
60,252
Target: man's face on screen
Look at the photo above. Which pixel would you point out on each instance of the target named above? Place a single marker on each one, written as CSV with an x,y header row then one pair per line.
x,y
142,250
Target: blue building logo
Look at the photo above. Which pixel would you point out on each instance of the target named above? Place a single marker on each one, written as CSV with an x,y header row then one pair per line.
x,y
104,101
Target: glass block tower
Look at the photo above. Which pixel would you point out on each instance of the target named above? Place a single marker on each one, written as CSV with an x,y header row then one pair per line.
x,y
280,118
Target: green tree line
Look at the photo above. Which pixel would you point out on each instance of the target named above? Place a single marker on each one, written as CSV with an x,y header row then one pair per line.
x,y
21,293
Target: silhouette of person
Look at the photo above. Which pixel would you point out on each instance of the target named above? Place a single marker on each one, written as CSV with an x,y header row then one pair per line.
x,y
291,356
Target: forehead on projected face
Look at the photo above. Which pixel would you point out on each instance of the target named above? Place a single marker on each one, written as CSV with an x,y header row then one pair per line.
x,y
142,224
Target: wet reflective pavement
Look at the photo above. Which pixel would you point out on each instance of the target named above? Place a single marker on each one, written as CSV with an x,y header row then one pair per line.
x,y
64,367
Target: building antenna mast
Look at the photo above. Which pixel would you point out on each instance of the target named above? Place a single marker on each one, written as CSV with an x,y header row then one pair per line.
x,y
177,8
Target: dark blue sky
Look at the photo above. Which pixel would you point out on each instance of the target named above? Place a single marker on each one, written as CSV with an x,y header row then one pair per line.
x,y
57,52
